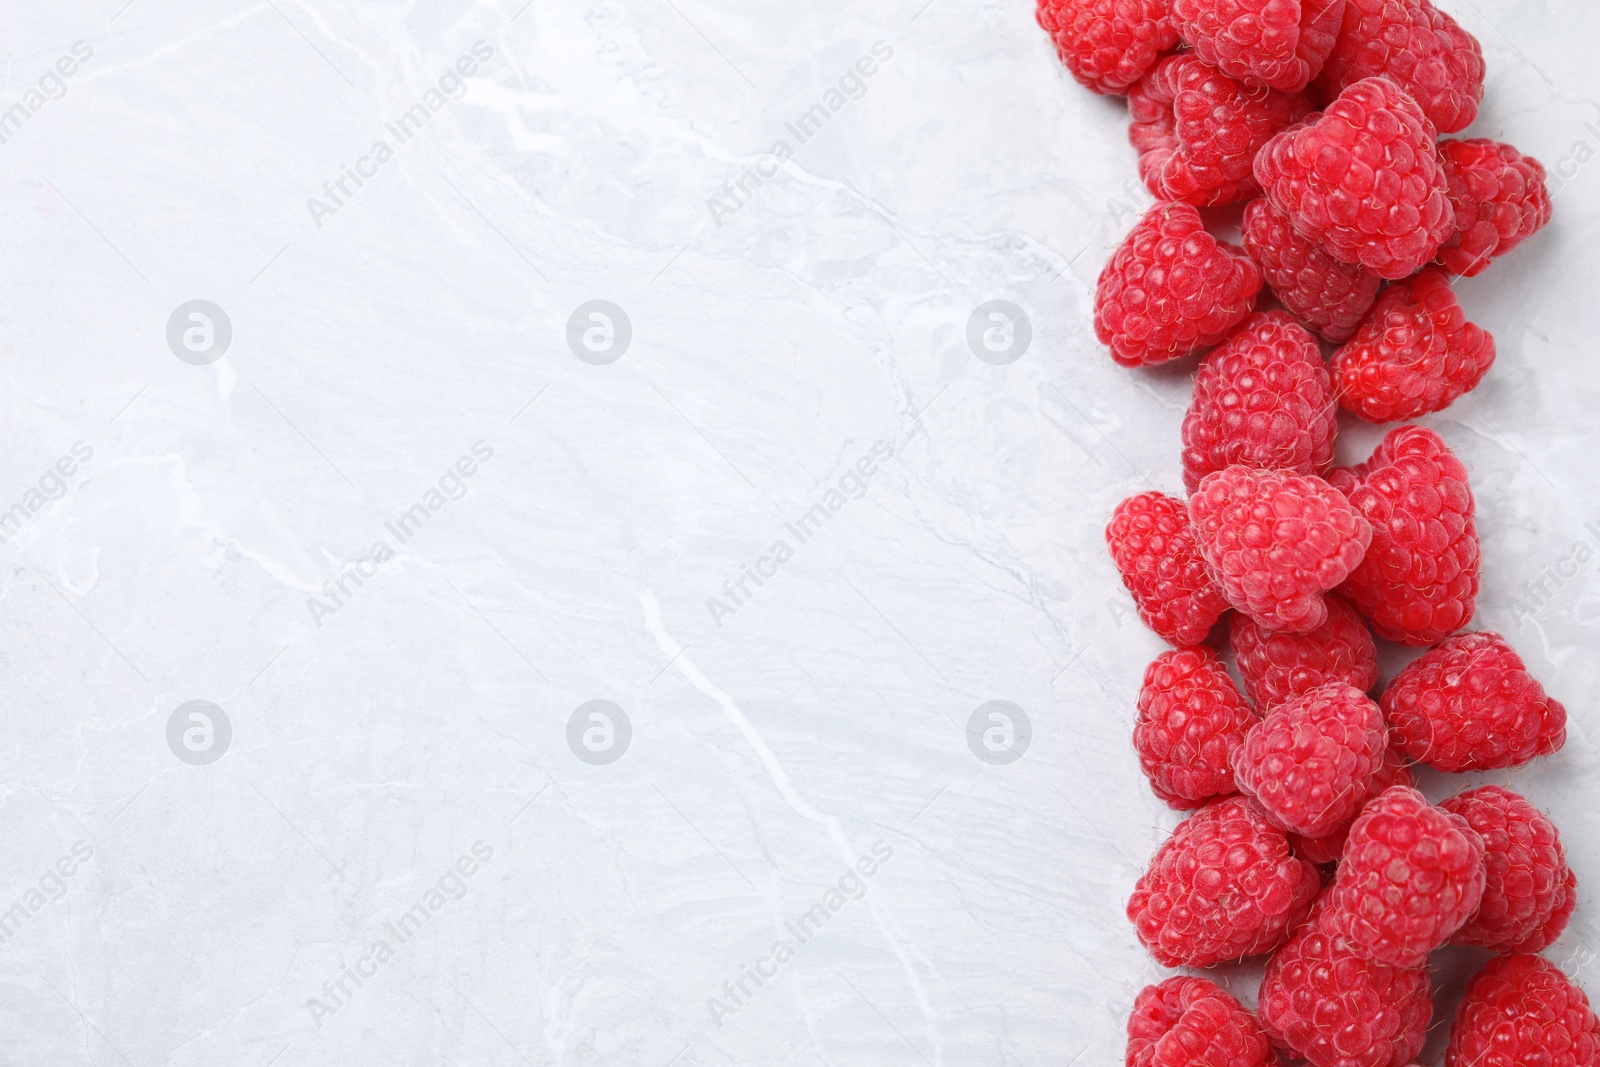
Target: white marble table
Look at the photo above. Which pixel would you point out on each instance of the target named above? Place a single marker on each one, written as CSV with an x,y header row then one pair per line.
x,y
398,858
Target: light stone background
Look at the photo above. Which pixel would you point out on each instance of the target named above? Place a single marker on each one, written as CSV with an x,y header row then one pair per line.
x,y
772,347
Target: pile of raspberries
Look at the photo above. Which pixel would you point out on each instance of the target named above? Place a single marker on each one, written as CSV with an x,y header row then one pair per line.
x,y
1309,846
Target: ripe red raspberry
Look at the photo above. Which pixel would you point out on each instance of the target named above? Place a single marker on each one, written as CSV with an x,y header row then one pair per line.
x,y
1171,288
1470,705
1330,296
1155,551
1415,354
1419,580
1276,44
1331,1007
1327,849
1224,886
1310,762
1363,180
1530,892
1417,46
1191,719
1410,877
1500,200
1277,541
1188,1021
1276,666
1262,399
1197,130
1108,44
1519,1011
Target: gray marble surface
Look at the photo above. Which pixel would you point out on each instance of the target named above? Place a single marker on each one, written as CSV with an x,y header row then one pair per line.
x,y
424,509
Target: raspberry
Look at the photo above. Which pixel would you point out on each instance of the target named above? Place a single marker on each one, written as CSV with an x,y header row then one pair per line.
x,y
1415,354
1171,288
1276,541
1327,849
1418,47
1198,131
1276,666
1154,549
1410,877
1310,762
1500,200
1522,1010
1419,580
1191,718
1330,296
1363,180
1331,1007
1108,44
1276,44
1187,1021
1224,886
1470,705
1262,399
1530,892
